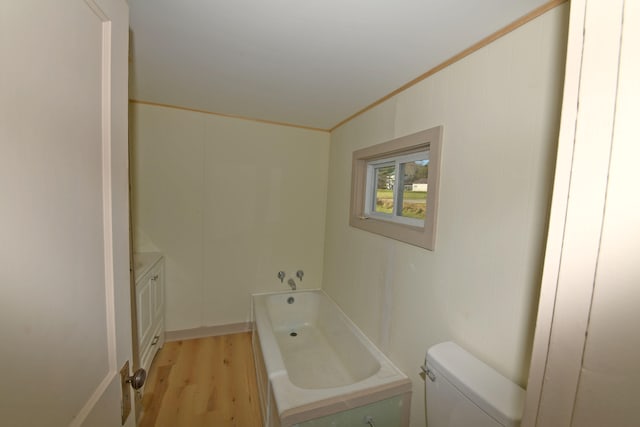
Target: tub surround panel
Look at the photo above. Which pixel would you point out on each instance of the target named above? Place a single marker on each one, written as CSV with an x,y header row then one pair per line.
x,y
230,203
265,204
500,111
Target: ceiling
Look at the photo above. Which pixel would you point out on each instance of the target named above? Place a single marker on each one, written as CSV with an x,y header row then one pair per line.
x,y
310,63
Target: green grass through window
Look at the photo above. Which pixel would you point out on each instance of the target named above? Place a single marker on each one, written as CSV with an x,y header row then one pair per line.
x,y
414,206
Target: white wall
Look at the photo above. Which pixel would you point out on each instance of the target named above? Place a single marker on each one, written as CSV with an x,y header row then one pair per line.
x,y
500,112
229,202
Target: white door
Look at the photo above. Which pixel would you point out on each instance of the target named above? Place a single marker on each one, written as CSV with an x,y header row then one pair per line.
x,y
64,254
584,368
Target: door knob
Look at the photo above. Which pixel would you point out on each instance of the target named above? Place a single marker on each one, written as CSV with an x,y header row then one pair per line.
x,y
137,379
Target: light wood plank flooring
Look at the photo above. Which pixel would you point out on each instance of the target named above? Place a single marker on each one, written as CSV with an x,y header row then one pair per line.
x,y
203,382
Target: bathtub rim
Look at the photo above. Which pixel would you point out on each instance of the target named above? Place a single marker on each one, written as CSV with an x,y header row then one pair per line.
x,y
281,385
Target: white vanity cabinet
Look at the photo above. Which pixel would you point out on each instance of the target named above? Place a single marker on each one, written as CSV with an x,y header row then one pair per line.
x,y
149,277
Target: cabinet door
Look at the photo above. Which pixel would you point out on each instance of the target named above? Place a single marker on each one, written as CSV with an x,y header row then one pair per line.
x,y
158,308
144,296
158,295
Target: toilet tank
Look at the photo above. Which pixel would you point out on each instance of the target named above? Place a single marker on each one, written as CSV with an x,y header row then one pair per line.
x,y
462,391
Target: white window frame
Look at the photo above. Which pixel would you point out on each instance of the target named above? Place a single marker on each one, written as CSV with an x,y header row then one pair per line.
x,y
370,196
415,232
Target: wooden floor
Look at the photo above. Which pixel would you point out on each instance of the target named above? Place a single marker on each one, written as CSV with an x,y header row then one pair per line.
x,y
203,382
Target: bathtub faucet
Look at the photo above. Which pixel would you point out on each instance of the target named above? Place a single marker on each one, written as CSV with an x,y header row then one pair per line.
x,y
292,283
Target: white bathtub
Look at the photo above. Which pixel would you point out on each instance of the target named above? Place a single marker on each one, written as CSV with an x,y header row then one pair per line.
x,y
313,363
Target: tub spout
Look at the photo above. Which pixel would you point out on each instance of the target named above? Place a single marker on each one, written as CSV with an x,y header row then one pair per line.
x,y
292,283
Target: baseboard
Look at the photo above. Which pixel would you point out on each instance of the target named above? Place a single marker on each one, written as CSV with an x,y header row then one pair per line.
x,y
208,331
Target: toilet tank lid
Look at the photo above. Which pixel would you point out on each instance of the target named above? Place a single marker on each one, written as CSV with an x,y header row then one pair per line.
x,y
491,391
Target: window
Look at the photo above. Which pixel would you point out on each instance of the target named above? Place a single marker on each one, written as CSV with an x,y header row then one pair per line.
x,y
394,188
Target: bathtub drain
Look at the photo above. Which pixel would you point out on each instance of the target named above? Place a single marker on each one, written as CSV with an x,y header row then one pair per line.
x,y
293,334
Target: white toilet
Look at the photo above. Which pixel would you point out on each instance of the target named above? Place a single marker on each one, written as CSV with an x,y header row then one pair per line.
x,y
462,391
